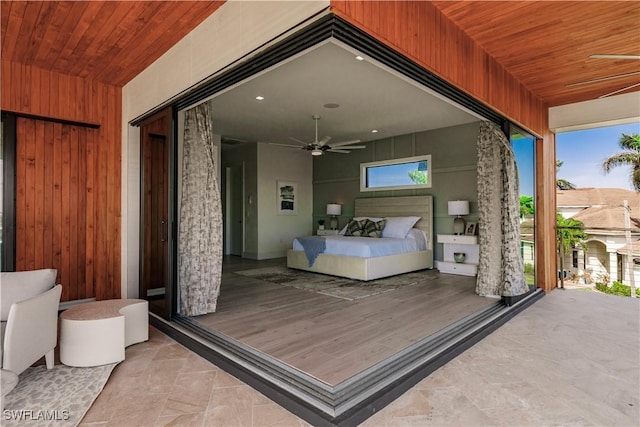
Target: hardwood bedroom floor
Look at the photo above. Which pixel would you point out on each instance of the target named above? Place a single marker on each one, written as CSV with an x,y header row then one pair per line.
x,y
331,338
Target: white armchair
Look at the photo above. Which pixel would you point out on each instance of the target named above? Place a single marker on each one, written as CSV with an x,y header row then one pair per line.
x,y
29,314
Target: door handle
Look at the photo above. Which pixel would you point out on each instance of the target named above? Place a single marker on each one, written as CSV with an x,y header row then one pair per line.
x,y
164,231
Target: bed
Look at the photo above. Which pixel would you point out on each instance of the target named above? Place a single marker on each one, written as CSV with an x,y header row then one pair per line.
x,y
370,268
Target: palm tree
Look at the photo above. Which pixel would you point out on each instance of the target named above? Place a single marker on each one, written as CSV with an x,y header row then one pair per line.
x,y
631,157
570,233
563,184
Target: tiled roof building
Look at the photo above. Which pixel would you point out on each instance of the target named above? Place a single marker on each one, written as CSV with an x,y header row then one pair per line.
x,y
601,210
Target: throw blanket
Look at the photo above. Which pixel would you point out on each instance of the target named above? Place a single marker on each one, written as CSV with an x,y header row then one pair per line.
x,y
313,246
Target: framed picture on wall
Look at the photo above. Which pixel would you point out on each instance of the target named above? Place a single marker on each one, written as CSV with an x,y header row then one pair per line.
x,y
287,197
471,229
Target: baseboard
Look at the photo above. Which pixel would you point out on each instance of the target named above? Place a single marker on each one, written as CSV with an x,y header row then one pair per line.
x,y
68,304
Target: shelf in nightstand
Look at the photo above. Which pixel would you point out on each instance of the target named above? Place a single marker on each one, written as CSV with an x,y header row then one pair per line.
x,y
453,243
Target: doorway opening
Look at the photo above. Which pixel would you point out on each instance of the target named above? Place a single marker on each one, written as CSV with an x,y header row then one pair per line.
x,y
155,230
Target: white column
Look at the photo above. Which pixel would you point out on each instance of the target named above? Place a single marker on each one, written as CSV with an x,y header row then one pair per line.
x,y
613,266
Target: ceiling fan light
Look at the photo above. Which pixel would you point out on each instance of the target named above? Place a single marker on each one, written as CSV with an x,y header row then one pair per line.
x,y
316,152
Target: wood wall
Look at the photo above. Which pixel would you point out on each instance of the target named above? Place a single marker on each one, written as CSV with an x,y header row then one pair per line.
x,y
68,178
421,32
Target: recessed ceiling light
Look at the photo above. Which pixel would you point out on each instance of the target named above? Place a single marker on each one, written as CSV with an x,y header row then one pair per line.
x,y
359,58
374,131
259,98
331,105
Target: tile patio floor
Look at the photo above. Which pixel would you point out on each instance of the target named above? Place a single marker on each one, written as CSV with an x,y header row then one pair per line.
x,y
573,358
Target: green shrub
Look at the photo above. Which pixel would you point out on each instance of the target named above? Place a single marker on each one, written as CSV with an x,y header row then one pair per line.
x,y
528,268
617,288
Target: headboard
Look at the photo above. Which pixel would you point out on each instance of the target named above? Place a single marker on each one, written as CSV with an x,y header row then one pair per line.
x,y
380,207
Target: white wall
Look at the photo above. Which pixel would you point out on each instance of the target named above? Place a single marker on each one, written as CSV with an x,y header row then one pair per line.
x,y
234,30
609,111
276,232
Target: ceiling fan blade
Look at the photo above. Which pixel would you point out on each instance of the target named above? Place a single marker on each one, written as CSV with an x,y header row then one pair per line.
x,y
298,141
602,79
613,56
284,145
619,90
355,147
338,151
341,143
324,140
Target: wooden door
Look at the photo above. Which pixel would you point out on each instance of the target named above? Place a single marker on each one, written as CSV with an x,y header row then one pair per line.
x,y
155,142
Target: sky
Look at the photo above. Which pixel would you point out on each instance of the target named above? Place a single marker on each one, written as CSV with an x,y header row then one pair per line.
x,y
391,175
582,153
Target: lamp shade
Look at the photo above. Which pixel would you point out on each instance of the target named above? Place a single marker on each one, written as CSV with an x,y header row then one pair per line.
x,y
458,207
334,209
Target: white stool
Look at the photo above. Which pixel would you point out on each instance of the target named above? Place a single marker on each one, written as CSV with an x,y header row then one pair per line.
x,y
97,333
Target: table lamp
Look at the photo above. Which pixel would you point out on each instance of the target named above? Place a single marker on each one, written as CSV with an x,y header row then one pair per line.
x,y
334,210
458,208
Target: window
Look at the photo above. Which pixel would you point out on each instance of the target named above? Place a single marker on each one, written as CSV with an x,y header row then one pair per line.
x,y
574,258
396,174
524,149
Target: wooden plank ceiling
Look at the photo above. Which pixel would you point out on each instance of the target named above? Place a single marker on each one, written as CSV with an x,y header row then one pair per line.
x,y
546,44
108,41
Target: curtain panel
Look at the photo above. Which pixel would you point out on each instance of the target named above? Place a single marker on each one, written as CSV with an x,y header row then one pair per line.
x,y
500,267
200,227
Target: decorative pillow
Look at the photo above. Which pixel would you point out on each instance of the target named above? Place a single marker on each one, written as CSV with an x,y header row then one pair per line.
x,y
355,228
359,218
373,228
399,226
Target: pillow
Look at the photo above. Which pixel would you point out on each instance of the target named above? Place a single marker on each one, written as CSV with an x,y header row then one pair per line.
x,y
372,218
358,218
355,228
420,237
22,285
373,228
399,226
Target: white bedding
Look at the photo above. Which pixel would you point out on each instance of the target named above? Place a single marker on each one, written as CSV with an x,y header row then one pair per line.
x,y
367,247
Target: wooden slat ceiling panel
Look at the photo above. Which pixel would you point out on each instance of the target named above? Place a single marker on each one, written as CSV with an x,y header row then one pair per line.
x,y
108,41
546,44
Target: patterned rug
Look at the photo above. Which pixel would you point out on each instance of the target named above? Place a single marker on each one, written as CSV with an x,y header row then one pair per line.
x,y
338,287
57,397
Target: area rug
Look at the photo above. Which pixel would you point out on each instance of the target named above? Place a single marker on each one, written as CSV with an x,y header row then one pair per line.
x,y
56,397
338,287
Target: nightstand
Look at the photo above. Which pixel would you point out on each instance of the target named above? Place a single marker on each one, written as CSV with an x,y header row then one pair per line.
x,y
459,243
327,232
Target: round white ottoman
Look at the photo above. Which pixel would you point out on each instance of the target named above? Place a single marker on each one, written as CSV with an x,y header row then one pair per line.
x,y
97,333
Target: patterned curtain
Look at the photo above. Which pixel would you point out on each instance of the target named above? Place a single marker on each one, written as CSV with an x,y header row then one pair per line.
x,y
500,268
200,233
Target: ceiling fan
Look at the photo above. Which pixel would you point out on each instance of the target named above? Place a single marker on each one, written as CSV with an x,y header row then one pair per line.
x,y
612,77
319,147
